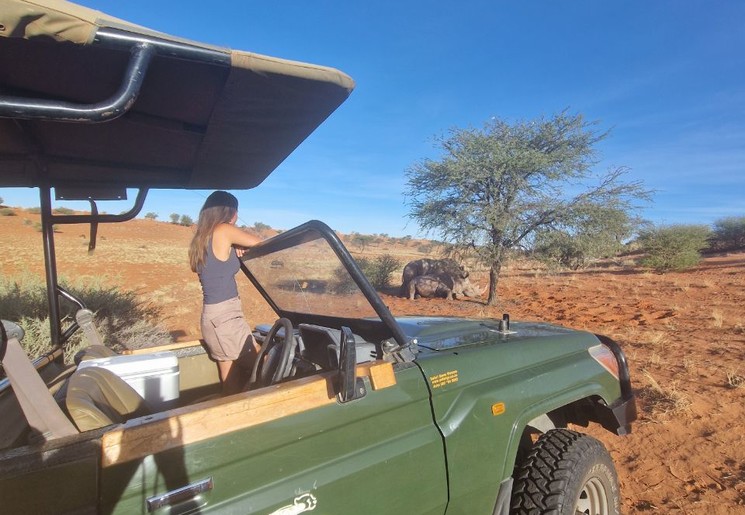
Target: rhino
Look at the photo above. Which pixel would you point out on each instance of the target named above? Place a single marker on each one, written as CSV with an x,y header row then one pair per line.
x,y
434,267
442,285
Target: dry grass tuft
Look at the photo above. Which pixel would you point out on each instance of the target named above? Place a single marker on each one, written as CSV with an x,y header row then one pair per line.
x,y
663,401
734,379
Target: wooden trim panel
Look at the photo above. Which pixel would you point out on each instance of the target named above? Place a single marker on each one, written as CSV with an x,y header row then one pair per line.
x,y
169,346
183,426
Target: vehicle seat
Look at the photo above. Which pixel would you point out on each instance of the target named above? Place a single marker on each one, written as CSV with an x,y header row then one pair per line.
x,y
97,397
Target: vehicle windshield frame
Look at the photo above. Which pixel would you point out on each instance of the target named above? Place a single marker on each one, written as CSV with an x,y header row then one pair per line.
x,y
381,328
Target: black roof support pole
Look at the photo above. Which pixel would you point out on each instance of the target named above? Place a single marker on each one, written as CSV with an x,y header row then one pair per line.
x,y
50,264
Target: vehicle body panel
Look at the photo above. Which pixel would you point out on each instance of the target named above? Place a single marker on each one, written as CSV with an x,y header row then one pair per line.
x,y
484,394
343,455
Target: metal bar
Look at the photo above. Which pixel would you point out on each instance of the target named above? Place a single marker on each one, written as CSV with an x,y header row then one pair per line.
x,y
109,109
50,264
122,40
105,218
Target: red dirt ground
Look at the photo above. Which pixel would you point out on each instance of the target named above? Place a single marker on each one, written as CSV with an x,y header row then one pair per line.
x,y
683,334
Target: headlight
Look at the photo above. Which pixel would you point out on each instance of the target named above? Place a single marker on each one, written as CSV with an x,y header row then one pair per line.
x,y
605,357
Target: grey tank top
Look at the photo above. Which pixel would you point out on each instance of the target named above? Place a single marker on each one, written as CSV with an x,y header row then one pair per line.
x,y
218,277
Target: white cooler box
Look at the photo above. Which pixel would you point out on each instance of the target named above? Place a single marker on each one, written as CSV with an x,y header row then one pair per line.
x,y
154,376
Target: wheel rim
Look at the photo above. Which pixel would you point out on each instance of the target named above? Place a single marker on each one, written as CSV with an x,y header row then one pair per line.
x,y
592,499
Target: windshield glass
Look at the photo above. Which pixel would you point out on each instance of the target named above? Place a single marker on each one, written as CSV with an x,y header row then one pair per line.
x,y
304,275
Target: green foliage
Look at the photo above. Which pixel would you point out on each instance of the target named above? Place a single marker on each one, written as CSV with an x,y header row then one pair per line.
x,y
729,233
362,241
495,188
598,234
6,211
34,210
379,271
186,221
261,226
673,247
1,200
62,211
122,320
151,216
175,217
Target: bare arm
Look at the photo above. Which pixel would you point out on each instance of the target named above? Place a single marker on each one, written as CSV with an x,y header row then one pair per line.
x,y
228,235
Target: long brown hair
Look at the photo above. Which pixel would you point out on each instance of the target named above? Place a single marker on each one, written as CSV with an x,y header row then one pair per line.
x,y
209,217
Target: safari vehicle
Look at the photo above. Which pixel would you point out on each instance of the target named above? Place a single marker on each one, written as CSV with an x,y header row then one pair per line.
x,y
352,410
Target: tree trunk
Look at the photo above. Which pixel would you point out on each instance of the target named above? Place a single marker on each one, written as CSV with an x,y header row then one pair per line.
x,y
494,270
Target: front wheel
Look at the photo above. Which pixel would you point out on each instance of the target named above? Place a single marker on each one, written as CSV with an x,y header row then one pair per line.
x,y
566,473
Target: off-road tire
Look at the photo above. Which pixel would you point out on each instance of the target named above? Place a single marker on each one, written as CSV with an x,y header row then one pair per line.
x,y
566,473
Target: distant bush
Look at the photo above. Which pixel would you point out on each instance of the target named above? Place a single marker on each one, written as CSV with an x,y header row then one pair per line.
x,y
574,251
261,226
34,210
122,320
151,216
729,233
377,271
380,269
175,217
362,241
39,228
6,211
62,211
673,247
1,201
186,220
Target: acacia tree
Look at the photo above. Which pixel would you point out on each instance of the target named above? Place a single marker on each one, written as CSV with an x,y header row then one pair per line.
x,y
494,188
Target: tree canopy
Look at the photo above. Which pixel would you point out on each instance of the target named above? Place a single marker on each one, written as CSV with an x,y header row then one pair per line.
x,y
494,188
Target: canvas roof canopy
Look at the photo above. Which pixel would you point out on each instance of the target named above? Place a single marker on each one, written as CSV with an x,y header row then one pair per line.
x,y
144,109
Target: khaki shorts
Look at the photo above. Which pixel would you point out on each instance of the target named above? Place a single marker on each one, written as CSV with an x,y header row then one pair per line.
x,y
225,330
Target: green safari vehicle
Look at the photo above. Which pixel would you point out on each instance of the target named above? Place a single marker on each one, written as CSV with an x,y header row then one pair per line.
x,y
351,410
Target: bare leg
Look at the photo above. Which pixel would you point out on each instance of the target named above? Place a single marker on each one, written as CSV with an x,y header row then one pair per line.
x,y
232,377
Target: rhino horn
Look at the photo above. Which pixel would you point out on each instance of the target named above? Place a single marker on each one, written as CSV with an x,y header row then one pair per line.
x,y
483,291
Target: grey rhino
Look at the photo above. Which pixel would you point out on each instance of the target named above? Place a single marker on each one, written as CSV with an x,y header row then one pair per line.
x,y
435,267
442,285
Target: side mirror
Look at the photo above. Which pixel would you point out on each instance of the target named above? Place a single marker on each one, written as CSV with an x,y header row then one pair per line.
x,y
349,386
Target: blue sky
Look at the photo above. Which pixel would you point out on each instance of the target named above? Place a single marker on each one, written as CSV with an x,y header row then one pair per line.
x,y
666,77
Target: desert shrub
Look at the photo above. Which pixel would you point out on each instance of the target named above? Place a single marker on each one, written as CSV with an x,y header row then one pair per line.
x,y
362,241
122,320
1,201
673,247
559,248
343,282
425,248
729,233
259,226
34,210
380,269
186,220
62,211
6,211
175,217
151,215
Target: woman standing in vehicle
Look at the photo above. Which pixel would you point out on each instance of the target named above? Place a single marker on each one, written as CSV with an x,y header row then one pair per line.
x,y
214,255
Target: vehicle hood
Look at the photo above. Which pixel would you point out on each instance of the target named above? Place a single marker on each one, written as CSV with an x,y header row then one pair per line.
x,y
444,333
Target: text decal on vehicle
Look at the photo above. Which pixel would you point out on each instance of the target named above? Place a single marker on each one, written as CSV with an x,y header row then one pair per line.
x,y
444,379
